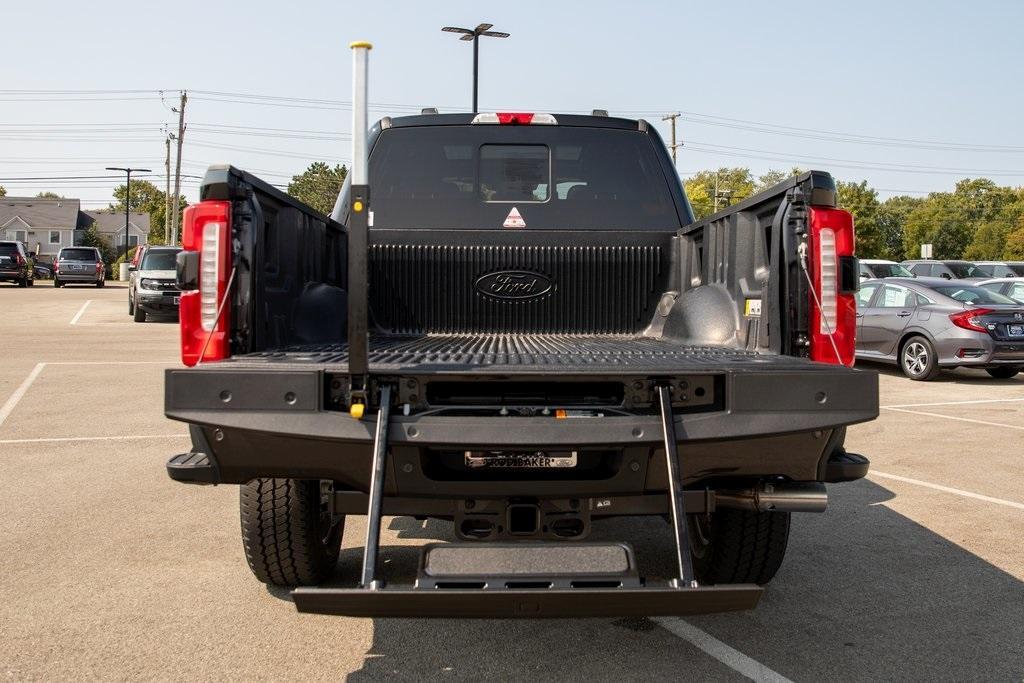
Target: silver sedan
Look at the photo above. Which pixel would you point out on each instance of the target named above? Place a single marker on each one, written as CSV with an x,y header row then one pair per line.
x,y
925,325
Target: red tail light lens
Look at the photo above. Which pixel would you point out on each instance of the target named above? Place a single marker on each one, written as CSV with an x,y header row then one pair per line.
x,y
206,229
99,266
20,260
831,241
520,118
970,319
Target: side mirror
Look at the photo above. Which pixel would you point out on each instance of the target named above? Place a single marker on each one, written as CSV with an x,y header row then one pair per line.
x,y
945,276
132,268
31,254
186,269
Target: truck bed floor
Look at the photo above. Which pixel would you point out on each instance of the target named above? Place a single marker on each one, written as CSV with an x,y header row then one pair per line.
x,y
525,353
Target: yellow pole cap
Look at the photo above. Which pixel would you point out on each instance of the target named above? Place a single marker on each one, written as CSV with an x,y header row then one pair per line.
x,y
357,410
361,43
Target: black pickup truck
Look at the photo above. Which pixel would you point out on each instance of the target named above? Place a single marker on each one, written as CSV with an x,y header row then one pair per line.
x,y
518,326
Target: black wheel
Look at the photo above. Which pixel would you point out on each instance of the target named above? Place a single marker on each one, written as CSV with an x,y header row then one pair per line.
x,y
139,315
738,546
56,282
100,283
1003,372
289,535
23,282
32,282
918,359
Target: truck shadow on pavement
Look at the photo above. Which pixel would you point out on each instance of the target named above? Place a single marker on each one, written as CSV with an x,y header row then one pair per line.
x,y
865,593
958,376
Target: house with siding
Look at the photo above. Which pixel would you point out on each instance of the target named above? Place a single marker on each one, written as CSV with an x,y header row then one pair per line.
x,y
46,225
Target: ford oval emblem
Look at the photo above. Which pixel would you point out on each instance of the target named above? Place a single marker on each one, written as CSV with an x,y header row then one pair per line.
x,y
513,285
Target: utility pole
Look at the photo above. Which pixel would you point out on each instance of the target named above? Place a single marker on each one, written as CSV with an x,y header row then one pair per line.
x,y
167,192
716,192
673,146
177,171
474,35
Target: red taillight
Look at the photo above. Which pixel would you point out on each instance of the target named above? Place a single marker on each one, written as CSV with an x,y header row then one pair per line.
x,y
833,325
970,319
20,260
521,118
206,229
99,266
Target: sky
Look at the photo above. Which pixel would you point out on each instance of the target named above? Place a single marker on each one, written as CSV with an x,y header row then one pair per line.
x,y
910,96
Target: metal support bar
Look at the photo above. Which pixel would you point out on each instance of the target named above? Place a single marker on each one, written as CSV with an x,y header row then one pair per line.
x,y
376,507
358,225
675,490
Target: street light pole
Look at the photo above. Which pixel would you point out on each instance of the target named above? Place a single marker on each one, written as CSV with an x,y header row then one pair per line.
x,y
127,199
474,35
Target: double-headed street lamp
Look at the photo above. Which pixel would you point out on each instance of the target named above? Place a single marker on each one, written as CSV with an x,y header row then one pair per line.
x,y
474,35
127,199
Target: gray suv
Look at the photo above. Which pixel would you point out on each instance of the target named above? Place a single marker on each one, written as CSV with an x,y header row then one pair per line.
x,y
79,265
152,287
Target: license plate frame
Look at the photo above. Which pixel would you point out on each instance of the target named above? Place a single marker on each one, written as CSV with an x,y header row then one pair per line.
x,y
520,460
1015,330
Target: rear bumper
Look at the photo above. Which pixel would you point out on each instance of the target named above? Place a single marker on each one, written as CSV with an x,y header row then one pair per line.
x,y
79,277
259,422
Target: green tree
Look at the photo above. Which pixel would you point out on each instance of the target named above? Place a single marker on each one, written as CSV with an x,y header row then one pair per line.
x,y
92,238
891,218
49,195
773,177
938,221
734,184
318,186
1014,249
3,191
862,202
148,198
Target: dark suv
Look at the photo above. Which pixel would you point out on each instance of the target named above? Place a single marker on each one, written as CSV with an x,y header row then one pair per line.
x,y
80,265
16,264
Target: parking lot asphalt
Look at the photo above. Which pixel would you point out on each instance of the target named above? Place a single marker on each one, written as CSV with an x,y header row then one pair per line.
x,y
110,570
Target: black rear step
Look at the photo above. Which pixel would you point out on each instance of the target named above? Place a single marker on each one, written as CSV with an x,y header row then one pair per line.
x,y
534,580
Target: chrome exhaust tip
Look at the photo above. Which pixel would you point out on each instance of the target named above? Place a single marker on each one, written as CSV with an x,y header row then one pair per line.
x,y
798,496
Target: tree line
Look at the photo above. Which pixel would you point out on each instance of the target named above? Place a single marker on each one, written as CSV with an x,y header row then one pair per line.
x,y
979,220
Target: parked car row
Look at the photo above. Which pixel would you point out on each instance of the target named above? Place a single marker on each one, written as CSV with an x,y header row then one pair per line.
x,y
151,282
871,269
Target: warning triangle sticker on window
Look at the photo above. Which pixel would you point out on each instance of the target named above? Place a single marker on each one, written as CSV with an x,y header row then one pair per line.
x,y
514,219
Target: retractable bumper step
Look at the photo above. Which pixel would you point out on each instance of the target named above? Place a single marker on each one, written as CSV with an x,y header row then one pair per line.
x,y
192,468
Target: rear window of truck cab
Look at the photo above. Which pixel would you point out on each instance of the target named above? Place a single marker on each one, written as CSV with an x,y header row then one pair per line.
x,y
519,177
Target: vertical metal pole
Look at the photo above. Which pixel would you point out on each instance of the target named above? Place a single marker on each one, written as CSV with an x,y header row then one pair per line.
x,y
167,192
675,490
476,68
374,512
127,209
177,170
358,226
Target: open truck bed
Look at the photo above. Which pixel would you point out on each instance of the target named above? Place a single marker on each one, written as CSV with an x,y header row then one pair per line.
x,y
522,372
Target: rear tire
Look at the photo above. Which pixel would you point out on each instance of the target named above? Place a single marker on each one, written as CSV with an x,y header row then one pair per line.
x,y
1003,373
139,315
23,282
918,359
738,546
32,282
56,282
100,283
287,532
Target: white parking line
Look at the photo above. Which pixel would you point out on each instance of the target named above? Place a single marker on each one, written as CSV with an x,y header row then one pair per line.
x,y
956,403
958,419
111,362
947,489
74,321
97,438
5,411
734,659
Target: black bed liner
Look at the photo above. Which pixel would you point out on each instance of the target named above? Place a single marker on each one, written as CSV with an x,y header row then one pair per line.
x,y
523,353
